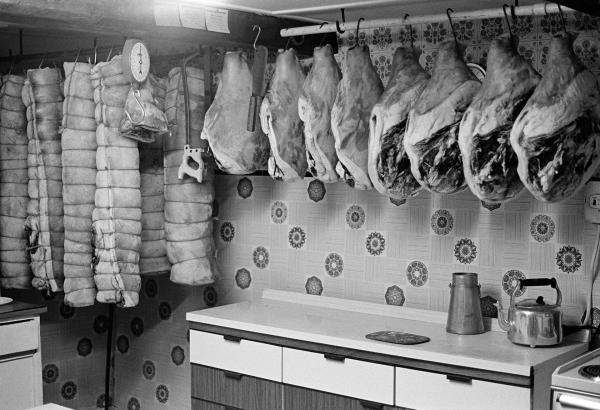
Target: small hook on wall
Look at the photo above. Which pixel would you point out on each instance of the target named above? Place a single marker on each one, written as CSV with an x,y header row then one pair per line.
x,y
448,11
254,27
337,23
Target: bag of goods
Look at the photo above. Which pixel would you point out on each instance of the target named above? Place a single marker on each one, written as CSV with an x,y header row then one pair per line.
x,y
431,138
280,121
557,134
236,150
117,215
153,253
188,204
389,165
489,161
43,96
357,93
314,108
79,183
15,271
143,120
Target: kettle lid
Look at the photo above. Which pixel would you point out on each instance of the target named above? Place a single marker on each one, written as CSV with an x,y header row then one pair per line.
x,y
538,304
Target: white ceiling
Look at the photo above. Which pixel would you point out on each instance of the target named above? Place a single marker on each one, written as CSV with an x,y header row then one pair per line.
x,y
329,10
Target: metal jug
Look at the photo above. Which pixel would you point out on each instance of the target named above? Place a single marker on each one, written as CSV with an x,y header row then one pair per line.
x,y
464,314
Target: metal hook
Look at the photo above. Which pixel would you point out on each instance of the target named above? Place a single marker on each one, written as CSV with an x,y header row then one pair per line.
x,y
545,11
512,11
109,53
448,11
324,34
287,43
506,18
562,18
357,30
337,23
410,32
42,62
254,27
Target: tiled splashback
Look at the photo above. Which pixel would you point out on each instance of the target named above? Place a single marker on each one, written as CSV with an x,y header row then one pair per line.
x,y
333,240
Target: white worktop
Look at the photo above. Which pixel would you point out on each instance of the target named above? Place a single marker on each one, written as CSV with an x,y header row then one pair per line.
x,y
344,323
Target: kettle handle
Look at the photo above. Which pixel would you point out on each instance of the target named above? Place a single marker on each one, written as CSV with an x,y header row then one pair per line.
x,y
539,282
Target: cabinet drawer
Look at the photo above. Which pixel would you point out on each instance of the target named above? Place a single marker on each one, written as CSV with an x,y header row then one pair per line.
x,y
234,389
339,375
242,356
427,390
16,337
298,398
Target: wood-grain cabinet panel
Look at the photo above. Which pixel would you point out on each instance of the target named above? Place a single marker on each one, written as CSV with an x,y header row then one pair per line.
x,y
298,398
235,389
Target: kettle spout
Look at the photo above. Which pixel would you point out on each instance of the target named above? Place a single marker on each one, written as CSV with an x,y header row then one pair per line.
x,y
502,321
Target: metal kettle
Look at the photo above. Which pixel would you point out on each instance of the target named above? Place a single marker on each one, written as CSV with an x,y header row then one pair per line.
x,y
533,322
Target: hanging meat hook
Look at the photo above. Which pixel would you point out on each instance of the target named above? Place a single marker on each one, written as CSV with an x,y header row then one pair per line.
x,y
254,27
562,18
510,33
448,11
337,23
324,34
410,33
357,29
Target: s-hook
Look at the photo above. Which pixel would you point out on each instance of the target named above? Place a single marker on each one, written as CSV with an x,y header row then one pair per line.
x,y
324,34
337,23
448,11
562,18
357,29
510,33
254,27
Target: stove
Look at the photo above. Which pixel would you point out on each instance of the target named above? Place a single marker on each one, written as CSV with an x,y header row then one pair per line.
x,y
576,384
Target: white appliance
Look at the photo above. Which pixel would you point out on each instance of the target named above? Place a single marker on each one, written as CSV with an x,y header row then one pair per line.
x,y
576,384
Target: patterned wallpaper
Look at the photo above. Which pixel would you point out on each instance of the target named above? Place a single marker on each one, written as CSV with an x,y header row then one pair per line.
x,y
333,240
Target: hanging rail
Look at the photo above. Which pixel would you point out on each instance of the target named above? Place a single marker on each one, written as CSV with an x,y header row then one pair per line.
x,y
531,10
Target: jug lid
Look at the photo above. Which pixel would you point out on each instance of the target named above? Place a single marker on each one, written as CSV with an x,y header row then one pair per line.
x,y
466,279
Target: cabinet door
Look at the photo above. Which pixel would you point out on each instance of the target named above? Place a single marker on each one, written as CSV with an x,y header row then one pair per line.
x,y
207,405
298,398
16,379
235,389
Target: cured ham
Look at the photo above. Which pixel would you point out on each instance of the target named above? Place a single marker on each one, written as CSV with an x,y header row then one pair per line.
x,y
389,165
557,134
236,150
314,107
431,139
280,121
357,93
489,162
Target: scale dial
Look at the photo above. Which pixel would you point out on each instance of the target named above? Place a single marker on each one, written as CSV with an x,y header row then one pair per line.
x,y
136,60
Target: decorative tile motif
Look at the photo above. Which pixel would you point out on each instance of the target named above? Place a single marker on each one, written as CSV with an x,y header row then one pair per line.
x,y
442,222
588,52
177,355
316,190
245,188
66,311
383,64
404,35
382,37
585,22
164,310
122,344
568,259
491,28
551,24
260,256
50,373
355,216
243,278
527,52
542,228
297,237
133,404
100,324
510,281
427,60
595,317
488,306
397,201
151,288
101,401
313,286
522,26
465,251
137,326
334,265
394,295
417,273
148,370
490,206
464,29
210,296
279,212
375,243
162,393
84,347
227,232
68,390
435,33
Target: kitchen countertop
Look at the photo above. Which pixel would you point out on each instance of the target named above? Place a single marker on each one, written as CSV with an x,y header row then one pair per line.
x,y
344,323
16,309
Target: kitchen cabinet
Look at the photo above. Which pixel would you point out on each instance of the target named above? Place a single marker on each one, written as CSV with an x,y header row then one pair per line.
x,y
297,398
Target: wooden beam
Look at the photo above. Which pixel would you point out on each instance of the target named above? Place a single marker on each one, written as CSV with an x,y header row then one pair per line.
x,y
136,18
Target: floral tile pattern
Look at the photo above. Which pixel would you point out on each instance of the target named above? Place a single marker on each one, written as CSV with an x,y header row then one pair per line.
x,y
442,222
279,212
465,251
355,216
316,190
394,295
510,281
375,243
334,265
227,232
297,237
243,278
542,228
314,286
417,273
245,188
568,259
260,256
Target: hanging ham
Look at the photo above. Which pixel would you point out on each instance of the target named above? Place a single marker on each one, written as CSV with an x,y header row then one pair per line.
x,y
314,107
431,139
389,166
489,162
280,121
236,150
357,93
557,134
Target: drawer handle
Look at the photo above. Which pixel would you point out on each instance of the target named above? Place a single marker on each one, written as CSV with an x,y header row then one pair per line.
x,y
371,405
334,357
577,402
232,375
231,338
459,379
